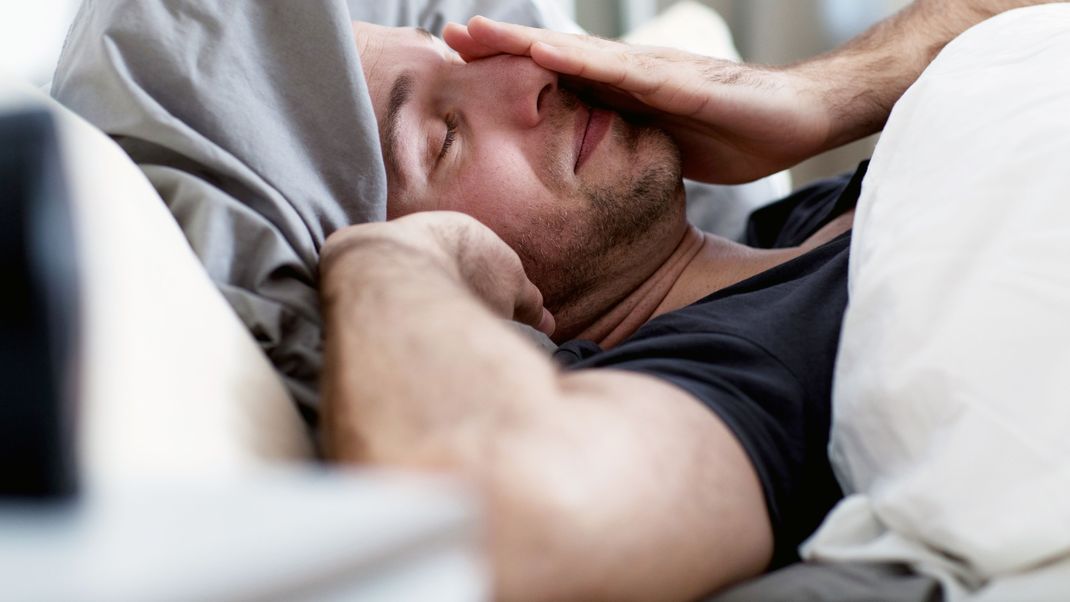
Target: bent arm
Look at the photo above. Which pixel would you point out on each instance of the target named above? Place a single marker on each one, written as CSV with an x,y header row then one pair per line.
x,y
738,122
599,485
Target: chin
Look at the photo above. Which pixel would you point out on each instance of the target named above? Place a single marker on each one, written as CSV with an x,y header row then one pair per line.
x,y
619,223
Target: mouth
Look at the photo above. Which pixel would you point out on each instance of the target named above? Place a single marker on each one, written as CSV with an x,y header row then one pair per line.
x,y
592,124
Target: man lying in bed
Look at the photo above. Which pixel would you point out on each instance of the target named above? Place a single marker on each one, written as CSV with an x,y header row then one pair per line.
x,y
696,455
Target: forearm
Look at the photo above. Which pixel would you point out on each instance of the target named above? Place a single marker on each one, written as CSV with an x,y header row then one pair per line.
x,y
420,374
862,80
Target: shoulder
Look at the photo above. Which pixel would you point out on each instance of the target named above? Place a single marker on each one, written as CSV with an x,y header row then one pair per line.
x,y
778,330
795,218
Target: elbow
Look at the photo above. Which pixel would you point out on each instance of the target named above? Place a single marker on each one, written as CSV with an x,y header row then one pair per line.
x,y
537,527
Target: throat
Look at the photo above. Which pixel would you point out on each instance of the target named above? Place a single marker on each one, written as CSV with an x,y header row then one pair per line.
x,y
641,304
699,266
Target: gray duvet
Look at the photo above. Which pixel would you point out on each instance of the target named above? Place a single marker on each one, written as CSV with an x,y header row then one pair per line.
x,y
252,120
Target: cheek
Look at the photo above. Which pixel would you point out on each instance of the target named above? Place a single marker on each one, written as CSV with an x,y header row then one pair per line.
x,y
500,190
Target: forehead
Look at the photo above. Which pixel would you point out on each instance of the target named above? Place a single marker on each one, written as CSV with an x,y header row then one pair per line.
x,y
400,66
386,52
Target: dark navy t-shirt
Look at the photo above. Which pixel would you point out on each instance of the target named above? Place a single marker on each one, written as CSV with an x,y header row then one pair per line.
x,y
760,354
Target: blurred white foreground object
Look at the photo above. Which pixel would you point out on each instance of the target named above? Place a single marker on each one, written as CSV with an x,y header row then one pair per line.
x,y
298,535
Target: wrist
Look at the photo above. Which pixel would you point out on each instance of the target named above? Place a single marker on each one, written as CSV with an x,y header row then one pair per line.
x,y
860,82
857,84
849,106
369,253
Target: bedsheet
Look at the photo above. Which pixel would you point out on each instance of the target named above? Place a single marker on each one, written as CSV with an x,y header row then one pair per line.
x,y
950,407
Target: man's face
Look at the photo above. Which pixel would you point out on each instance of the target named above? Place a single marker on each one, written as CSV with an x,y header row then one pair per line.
x,y
566,186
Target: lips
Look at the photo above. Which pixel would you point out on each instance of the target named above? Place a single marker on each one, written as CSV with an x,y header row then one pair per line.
x,y
592,126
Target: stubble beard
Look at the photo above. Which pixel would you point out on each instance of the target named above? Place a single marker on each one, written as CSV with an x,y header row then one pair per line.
x,y
609,223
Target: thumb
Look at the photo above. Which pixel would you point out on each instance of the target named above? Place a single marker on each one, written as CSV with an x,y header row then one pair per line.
x,y
529,310
547,325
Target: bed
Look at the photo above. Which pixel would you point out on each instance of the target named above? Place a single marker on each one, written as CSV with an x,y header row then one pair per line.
x,y
193,92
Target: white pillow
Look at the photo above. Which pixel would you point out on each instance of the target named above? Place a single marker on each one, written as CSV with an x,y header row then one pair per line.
x,y
951,415
172,381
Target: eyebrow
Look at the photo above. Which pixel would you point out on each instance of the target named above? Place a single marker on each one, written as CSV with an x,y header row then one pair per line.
x,y
400,94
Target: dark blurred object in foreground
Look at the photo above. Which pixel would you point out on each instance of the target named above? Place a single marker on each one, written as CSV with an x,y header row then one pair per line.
x,y
38,312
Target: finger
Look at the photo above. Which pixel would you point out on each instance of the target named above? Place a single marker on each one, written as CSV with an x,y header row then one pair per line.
x,y
664,79
657,78
517,39
587,57
492,34
614,67
607,96
528,308
581,56
547,325
457,37
489,27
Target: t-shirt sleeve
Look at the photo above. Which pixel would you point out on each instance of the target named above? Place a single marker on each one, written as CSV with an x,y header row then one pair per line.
x,y
791,220
756,396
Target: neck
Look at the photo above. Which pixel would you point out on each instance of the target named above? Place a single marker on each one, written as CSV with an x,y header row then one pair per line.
x,y
700,265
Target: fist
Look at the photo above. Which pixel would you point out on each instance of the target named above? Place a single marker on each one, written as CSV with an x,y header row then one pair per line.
x,y
446,243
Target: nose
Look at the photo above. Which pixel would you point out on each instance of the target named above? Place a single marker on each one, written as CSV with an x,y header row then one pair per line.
x,y
513,89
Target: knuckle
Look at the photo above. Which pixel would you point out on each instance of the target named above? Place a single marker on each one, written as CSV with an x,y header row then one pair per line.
x,y
644,61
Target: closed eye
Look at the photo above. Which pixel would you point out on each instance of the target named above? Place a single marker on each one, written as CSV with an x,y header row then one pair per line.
x,y
451,135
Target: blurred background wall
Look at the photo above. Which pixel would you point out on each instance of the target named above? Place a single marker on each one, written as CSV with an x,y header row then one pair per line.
x,y
775,32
